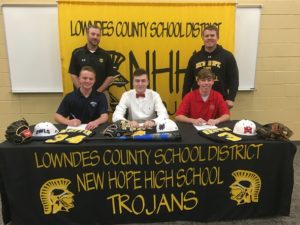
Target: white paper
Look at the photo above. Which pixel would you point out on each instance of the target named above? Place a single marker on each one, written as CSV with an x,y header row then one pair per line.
x,y
205,127
79,127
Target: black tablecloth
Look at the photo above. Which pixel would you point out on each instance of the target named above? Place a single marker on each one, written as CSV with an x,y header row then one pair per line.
x,y
110,181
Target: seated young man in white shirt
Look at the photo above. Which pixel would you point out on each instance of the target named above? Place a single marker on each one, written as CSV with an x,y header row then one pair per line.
x,y
142,105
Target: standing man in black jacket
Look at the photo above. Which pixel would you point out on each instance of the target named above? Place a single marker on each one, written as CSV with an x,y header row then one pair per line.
x,y
220,61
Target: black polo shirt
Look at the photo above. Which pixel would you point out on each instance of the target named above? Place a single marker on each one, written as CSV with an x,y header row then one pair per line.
x,y
100,60
84,109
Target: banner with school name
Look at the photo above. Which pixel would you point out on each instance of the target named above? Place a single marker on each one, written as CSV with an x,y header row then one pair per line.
x,y
159,37
133,182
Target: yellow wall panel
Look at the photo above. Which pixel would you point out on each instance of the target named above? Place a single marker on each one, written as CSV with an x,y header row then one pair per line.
x,y
278,63
275,49
279,35
3,65
280,21
9,107
4,80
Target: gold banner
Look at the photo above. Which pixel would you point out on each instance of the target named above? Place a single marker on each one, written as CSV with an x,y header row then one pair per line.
x,y
157,37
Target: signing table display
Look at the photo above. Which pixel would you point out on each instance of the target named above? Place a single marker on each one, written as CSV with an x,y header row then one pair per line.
x,y
115,181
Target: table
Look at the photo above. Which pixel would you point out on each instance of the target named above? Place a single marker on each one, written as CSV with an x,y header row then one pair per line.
x,y
108,182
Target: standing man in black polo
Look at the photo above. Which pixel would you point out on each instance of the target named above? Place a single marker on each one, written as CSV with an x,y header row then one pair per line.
x,y
92,55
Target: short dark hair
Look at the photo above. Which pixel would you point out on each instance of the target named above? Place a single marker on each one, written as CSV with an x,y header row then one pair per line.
x,y
88,68
93,26
211,27
205,74
139,72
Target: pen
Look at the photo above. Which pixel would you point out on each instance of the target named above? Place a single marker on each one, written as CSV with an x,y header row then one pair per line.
x,y
74,117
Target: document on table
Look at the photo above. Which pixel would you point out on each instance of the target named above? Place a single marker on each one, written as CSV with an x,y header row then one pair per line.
x,y
79,127
205,127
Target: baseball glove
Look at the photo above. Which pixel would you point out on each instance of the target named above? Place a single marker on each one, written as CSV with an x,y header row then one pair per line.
x,y
119,128
18,132
275,131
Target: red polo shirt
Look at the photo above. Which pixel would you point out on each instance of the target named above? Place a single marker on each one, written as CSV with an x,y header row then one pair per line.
x,y
194,107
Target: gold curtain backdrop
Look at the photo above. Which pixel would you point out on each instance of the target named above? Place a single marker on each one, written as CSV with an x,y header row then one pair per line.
x,y
160,37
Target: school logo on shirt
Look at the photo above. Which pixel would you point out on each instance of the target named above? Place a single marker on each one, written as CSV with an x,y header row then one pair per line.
x,y
212,107
93,104
101,60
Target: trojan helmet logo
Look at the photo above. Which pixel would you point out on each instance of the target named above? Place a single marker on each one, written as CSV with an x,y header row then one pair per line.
x,y
246,187
113,101
56,197
117,59
119,80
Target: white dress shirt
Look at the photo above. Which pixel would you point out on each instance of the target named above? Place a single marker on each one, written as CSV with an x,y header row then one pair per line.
x,y
140,109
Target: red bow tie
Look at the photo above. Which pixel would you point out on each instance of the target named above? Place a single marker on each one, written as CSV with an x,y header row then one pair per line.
x,y
141,95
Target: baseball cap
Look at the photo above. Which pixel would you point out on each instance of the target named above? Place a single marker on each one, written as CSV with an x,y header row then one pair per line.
x,y
166,125
245,127
44,130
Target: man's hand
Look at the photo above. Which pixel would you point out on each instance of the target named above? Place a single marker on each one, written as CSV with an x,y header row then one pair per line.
x,y
75,81
134,124
230,104
212,122
92,125
149,124
199,121
74,122
105,84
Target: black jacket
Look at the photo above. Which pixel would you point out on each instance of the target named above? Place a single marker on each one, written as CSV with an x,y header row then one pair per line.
x,y
223,65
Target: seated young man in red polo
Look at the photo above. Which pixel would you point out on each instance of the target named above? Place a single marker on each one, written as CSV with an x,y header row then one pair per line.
x,y
203,105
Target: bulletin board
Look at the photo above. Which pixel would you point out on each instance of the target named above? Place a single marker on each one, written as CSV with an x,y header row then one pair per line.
x,y
33,48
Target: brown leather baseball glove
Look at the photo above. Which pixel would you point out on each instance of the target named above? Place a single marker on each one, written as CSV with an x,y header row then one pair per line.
x,y
18,132
275,131
120,128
